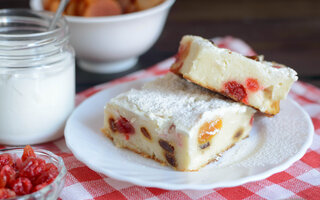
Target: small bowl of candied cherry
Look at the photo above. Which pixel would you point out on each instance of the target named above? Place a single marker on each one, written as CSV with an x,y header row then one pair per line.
x,y
27,173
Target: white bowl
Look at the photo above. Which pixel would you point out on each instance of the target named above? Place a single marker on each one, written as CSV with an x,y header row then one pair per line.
x,y
114,43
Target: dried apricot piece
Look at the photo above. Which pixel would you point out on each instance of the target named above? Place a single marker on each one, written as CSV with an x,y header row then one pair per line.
x,y
128,6
146,4
72,8
208,130
54,5
46,4
96,8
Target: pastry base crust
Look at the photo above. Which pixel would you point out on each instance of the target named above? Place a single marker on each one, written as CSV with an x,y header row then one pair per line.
x,y
146,155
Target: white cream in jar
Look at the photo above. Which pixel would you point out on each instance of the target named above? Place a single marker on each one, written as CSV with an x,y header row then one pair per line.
x,y
37,77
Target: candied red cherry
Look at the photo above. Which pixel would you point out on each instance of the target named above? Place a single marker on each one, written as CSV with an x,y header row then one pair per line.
x,y
32,168
21,186
28,153
3,181
6,193
277,66
251,120
5,159
124,126
39,187
51,167
45,177
7,175
50,173
17,164
235,90
252,84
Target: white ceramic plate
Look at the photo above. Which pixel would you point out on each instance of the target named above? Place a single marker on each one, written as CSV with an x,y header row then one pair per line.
x,y
274,144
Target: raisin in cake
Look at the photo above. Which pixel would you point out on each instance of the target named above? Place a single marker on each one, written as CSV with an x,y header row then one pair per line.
x,y
249,80
176,122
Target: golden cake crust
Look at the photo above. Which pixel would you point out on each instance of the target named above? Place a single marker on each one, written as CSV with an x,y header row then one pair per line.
x,y
144,154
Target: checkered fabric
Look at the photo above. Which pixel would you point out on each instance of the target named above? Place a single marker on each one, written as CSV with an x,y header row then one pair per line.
x,y
300,181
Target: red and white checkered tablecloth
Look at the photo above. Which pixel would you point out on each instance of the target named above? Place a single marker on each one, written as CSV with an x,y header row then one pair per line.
x,y
300,181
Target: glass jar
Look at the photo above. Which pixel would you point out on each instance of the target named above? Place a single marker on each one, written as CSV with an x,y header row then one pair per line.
x,y
37,77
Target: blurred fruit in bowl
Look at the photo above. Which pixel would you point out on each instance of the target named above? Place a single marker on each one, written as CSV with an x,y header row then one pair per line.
x,y
98,8
86,8
30,174
110,44
146,4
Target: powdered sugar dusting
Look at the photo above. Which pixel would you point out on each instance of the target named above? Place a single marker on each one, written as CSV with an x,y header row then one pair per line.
x,y
272,140
171,98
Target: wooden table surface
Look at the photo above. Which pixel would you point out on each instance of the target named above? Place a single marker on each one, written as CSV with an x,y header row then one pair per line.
x,y
286,31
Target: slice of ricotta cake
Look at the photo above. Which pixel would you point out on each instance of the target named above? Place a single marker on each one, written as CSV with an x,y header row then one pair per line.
x,y
249,80
176,122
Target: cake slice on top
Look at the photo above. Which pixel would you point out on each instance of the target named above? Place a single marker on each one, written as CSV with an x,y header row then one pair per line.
x,y
176,122
249,80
